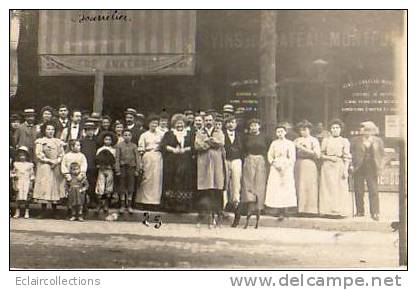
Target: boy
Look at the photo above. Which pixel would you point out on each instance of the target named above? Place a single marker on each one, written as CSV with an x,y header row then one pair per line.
x,y
105,160
127,167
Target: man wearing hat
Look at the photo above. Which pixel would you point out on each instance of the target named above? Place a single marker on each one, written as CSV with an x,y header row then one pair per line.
x,y
367,160
26,134
130,123
96,119
14,125
89,149
228,111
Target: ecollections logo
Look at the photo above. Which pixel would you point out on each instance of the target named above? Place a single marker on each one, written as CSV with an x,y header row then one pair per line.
x,y
103,16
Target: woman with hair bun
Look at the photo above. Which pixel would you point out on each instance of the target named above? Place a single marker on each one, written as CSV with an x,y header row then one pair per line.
x,y
334,191
49,182
306,173
177,166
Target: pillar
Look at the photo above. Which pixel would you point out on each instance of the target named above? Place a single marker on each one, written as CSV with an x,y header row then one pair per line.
x,y
268,92
98,92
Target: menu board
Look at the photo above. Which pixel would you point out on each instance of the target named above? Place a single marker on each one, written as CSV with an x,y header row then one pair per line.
x,y
245,97
370,100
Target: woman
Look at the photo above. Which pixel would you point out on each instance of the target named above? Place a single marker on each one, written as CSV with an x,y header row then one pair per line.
x,y
47,116
335,199
306,173
177,165
49,182
150,190
254,166
280,190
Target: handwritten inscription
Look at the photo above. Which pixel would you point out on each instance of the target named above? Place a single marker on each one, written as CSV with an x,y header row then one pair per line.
x,y
105,15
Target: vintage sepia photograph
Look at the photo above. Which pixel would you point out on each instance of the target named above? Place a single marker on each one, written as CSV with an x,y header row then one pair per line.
x,y
208,139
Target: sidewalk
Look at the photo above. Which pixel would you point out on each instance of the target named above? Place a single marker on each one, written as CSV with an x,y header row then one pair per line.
x,y
347,224
388,208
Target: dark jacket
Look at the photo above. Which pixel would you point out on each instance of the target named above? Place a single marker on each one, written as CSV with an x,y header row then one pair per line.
x,y
358,152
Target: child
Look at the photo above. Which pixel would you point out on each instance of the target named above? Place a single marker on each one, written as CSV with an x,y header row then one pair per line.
x,y
23,176
74,155
127,167
105,160
76,187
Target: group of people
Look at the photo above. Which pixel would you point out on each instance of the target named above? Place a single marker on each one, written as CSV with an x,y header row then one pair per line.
x,y
207,162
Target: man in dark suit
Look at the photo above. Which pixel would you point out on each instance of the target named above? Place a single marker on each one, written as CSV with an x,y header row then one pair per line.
x,y
234,155
367,160
63,120
75,130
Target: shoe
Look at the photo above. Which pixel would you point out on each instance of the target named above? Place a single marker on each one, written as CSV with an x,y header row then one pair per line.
x,y
130,210
26,214
375,217
122,210
80,219
17,214
73,218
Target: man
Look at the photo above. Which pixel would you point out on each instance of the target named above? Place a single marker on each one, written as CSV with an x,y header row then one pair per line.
x,y
189,115
75,129
367,158
95,118
130,124
63,120
140,121
228,111
14,125
234,154
26,134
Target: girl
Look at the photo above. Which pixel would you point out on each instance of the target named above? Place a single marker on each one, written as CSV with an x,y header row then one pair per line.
x,y
306,173
49,182
105,160
150,190
74,155
23,176
254,171
76,187
334,194
280,190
